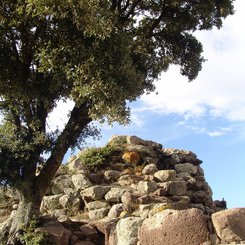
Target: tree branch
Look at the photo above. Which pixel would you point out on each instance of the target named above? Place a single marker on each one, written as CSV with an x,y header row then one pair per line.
x,y
79,119
114,4
126,6
156,23
16,119
42,113
131,10
28,114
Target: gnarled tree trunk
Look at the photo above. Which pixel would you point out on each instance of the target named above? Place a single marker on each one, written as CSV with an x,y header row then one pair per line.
x,y
28,209
33,188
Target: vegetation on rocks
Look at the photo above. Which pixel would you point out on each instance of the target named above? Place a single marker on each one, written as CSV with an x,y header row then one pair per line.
x,y
96,158
100,54
116,206
30,237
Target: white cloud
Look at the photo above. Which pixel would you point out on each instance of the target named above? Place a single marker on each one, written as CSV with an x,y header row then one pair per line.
x,y
215,133
220,131
136,120
218,92
59,116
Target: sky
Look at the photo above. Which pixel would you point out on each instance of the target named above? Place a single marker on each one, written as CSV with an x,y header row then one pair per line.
x,y
206,116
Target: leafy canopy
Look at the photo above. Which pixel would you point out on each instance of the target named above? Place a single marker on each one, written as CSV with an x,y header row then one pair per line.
x,y
98,53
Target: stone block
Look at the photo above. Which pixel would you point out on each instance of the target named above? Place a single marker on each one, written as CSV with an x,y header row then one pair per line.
x,y
174,227
147,186
95,192
165,175
127,230
230,224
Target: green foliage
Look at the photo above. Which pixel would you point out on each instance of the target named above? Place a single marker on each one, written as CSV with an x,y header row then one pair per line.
x,y
30,237
96,158
100,54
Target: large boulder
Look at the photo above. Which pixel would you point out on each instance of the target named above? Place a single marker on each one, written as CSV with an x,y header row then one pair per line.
x,y
57,232
186,168
132,140
177,187
98,213
96,205
181,156
61,183
116,210
81,181
117,139
96,192
115,194
111,175
147,186
230,224
89,232
165,175
108,228
149,169
76,166
130,201
50,203
127,230
175,227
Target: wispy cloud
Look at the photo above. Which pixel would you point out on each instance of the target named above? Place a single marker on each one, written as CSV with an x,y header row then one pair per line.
x,y
218,92
215,133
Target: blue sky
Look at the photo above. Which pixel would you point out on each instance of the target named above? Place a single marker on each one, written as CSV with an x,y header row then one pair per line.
x,y
206,116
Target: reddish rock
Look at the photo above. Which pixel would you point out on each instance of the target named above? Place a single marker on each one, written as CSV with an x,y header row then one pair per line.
x,y
109,230
230,224
57,232
89,231
145,199
131,157
84,243
160,192
175,227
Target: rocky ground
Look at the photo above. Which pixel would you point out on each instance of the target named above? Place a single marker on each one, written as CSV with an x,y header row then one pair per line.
x,y
137,193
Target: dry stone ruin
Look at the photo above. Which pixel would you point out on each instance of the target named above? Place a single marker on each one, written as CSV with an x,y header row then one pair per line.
x,y
133,192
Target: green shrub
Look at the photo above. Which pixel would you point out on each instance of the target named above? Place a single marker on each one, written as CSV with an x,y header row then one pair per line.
x,y
30,237
96,158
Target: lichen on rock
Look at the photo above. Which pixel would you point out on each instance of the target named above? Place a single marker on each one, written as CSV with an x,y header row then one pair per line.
x,y
118,196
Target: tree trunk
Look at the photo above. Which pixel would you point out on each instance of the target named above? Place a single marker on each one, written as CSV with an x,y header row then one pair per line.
x,y
33,187
28,209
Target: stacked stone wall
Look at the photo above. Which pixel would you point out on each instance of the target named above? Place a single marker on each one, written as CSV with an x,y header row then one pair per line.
x,y
128,200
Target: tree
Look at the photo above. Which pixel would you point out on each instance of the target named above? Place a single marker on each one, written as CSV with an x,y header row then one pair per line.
x,y
98,53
